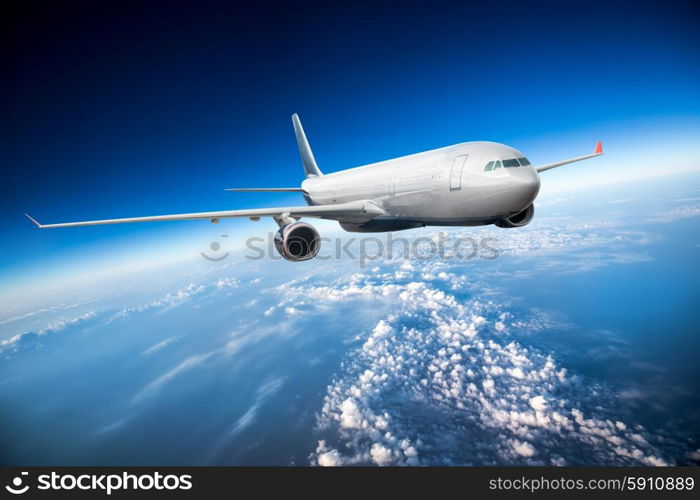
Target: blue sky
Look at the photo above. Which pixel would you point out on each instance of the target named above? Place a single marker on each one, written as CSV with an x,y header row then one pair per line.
x,y
114,111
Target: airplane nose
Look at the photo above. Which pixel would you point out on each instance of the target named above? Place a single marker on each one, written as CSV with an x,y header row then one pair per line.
x,y
525,184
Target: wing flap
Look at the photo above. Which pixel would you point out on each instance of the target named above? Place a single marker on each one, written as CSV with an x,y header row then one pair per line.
x,y
354,210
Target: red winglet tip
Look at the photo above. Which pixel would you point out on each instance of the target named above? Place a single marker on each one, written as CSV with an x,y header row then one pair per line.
x,y
599,148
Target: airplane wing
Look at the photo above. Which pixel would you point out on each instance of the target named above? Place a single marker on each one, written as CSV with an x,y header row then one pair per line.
x,y
268,190
598,151
354,210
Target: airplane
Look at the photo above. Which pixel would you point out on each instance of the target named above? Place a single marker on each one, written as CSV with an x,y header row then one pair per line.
x,y
467,184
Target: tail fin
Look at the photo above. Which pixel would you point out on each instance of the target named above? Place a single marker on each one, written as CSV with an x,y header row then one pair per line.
x,y
307,156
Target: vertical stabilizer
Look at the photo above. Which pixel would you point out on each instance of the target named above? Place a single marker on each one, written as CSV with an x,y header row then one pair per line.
x,y
307,156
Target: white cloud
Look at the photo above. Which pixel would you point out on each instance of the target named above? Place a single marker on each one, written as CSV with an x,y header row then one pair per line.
x,y
678,213
162,304
381,454
153,387
54,308
437,369
523,448
159,345
264,392
233,345
247,419
538,403
350,416
244,421
227,282
326,457
55,325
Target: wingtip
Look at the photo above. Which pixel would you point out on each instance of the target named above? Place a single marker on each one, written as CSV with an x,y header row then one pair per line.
x,y
599,148
33,220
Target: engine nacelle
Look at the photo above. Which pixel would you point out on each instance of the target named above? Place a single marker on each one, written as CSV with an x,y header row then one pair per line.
x,y
298,241
518,220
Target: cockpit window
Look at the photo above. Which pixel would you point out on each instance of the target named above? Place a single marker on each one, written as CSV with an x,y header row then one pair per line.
x,y
513,162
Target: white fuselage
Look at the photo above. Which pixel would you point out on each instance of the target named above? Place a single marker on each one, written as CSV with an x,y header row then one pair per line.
x,y
447,187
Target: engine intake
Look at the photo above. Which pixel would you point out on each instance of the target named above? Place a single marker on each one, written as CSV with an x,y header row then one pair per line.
x,y
298,241
518,220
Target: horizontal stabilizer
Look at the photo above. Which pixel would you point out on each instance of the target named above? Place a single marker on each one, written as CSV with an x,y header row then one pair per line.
x,y
33,220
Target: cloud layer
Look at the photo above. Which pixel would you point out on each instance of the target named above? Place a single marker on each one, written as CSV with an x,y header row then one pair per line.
x,y
441,381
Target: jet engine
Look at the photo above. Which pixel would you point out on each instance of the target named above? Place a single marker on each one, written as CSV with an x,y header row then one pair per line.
x,y
298,241
518,220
